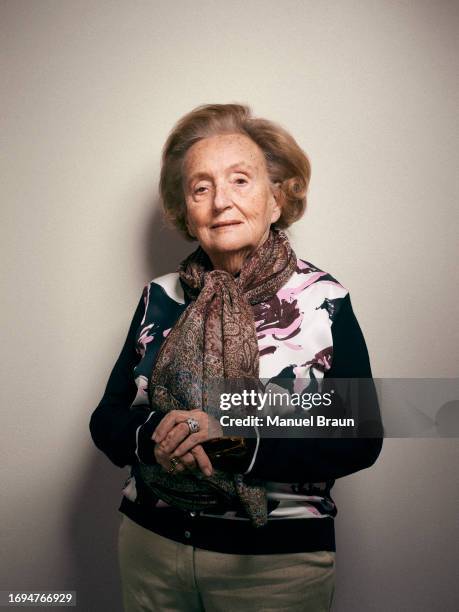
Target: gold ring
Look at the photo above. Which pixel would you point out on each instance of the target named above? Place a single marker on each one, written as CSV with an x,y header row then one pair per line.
x,y
174,463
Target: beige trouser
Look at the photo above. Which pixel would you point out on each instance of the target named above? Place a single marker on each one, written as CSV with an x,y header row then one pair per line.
x,y
161,575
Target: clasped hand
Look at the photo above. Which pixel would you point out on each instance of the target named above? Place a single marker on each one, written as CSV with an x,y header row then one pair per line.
x,y
173,439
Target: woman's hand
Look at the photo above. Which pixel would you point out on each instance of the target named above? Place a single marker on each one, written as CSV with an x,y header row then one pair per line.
x,y
173,439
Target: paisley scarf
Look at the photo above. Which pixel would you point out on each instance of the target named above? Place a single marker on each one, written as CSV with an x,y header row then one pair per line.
x,y
215,338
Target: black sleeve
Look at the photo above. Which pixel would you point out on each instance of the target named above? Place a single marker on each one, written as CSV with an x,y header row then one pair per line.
x,y
113,424
322,459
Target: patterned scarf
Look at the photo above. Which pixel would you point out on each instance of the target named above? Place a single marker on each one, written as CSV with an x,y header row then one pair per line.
x,y
215,338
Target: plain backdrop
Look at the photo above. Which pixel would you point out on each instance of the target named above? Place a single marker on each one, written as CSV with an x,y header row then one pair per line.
x,y
90,90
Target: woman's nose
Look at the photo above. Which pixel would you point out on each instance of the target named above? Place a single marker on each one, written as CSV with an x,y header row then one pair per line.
x,y
222,197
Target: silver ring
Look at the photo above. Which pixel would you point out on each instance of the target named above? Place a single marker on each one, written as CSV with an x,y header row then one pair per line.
x,y
193,424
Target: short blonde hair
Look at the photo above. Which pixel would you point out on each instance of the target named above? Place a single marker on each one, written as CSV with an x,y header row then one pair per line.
x,y
287,164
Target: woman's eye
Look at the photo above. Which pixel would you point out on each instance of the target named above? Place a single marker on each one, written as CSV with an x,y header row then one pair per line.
x,y
198,190
241,181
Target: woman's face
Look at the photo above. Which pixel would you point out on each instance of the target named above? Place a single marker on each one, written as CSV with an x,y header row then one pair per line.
x,y
229,199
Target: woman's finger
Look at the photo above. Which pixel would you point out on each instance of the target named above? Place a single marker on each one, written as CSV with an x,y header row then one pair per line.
x,y
188,461
168,422
189,442
180,444
195,459
179,467
180,440
166,463
173,439
202,460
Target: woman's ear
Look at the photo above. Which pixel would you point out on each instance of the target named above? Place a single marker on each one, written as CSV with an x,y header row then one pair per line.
x,y
276,202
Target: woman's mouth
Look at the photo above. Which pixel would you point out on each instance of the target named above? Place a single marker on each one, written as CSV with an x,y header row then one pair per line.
x,y
222,224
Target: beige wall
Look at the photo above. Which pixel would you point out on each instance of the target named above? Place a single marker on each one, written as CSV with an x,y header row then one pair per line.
x,y
90,90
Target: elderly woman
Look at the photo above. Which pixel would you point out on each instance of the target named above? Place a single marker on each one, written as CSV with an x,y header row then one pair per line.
x,y
210,522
